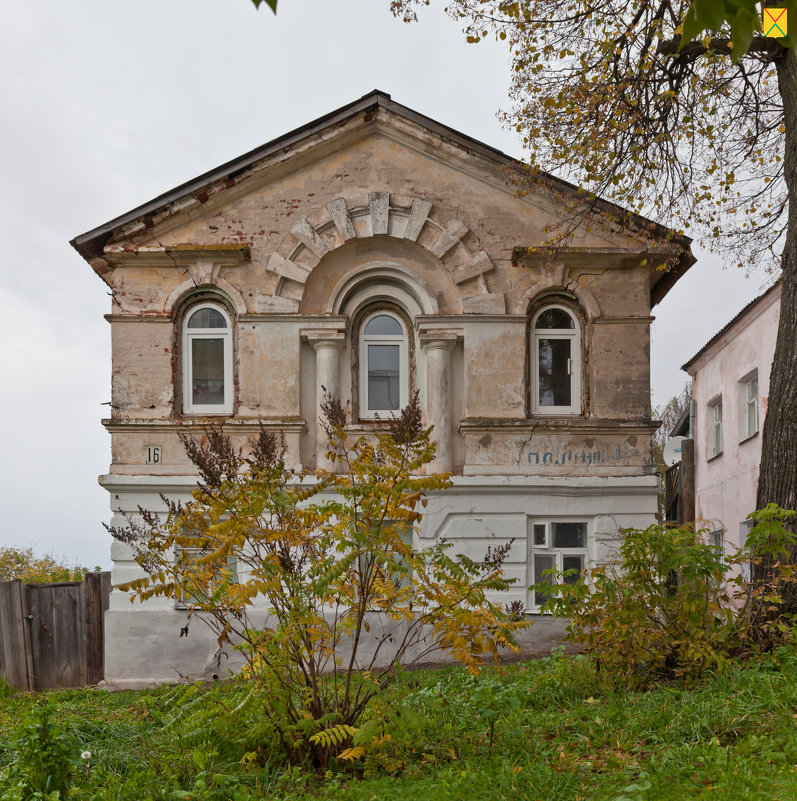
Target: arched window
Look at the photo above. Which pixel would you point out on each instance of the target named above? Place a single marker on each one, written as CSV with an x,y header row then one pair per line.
x,y
207,361
384,366
556,362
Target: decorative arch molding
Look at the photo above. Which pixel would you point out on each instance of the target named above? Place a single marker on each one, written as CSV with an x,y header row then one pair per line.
x,y
541,290
181,293
364,284
363,215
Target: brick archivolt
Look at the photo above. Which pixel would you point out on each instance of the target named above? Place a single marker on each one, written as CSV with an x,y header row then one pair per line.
x,y
382,214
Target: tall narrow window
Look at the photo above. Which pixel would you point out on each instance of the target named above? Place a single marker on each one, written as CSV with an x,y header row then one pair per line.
x,y
556,363
748,406
207,361
384,374
715,427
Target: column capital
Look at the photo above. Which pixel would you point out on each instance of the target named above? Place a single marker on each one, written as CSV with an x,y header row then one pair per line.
x,y
431,339
324,337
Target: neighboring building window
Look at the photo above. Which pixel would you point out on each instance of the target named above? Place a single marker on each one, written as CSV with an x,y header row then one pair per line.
x,y
207,361
745,569
748,406
716,542
384,365
715,427
560,546
556,362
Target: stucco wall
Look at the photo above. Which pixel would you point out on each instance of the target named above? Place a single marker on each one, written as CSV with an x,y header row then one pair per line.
x,y
143,642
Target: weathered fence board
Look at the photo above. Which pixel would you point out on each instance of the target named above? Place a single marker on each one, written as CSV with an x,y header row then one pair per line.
x,y
51,635
96,597
15,654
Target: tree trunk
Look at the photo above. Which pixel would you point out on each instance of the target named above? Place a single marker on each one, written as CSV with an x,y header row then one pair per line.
x,y
777,481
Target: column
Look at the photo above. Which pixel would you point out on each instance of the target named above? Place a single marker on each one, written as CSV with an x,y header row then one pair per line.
x,y
327,346
437,347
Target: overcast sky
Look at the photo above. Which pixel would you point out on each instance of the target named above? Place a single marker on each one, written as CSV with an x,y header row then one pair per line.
x,y
108,104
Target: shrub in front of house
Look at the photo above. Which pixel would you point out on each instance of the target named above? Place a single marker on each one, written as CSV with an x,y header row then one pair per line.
x,y
330,558
672,606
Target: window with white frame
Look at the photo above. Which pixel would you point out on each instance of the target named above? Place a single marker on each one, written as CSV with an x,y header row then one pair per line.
x,y
716,541
745,569
384,364
714,419
556,362
207,360
748,405
559,545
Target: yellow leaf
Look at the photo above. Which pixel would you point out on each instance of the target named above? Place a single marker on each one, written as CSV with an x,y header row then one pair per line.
x,y
350,754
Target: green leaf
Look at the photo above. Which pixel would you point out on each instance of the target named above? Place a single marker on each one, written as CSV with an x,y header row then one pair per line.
x,y
272,4
693,27
742,27
712,13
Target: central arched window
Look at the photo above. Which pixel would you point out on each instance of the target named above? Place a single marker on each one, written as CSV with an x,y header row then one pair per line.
x,y
556,362
384,367
207,361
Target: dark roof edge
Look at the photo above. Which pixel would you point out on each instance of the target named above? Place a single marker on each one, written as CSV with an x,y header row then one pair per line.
x,y
375,98
730,324
682,423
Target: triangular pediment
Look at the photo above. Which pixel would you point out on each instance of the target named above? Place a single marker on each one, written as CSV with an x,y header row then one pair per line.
x,y
372,169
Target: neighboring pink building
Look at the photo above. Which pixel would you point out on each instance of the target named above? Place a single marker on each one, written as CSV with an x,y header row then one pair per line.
x,y
730,388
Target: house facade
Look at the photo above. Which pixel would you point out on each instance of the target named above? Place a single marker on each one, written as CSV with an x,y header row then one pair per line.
x,y
374,253
730,388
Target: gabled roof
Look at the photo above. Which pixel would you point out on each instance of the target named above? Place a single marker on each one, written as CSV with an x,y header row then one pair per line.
x,y
91,243
743,313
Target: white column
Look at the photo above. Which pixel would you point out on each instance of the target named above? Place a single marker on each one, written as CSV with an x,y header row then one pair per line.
x,y
327,346
437,347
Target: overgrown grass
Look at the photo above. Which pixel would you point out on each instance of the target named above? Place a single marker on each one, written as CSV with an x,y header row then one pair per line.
x,y
546,729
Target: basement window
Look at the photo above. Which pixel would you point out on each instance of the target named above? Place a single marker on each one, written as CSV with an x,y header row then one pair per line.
x,y
559,545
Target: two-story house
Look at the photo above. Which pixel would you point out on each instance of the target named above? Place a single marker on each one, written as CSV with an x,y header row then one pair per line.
x,y
730,387
375,252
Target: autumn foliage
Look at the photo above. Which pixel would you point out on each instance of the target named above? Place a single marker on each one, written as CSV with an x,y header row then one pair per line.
x,y
26,565
673,606
316,579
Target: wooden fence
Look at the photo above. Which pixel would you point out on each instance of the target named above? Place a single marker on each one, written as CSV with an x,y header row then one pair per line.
x,y
51,635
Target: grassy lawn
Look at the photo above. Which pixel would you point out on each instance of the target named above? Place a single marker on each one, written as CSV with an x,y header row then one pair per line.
x,y
546,729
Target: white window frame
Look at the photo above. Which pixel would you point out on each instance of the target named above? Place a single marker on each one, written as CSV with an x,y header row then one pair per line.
x,y
574,335
745,527
714,418
716,539
402,341
543,546
191,334
748,406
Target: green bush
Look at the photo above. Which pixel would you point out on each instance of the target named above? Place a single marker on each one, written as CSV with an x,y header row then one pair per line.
x,y
663,610
767,579
45,757
673,606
